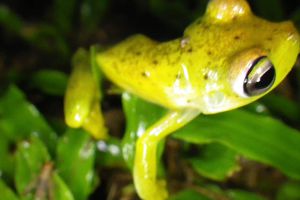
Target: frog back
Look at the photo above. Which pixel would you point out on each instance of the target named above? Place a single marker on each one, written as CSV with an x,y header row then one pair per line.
x,y
149,69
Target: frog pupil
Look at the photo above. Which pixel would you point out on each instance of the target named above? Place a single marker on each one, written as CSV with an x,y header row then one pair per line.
x,y
260,77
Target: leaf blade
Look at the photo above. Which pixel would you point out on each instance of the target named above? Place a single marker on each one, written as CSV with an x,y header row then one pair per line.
x,y
257,137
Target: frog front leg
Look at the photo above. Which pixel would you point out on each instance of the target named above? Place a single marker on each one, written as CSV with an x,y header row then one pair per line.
x,y
145,166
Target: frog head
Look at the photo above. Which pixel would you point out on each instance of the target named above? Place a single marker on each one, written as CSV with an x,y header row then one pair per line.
x,y
237,57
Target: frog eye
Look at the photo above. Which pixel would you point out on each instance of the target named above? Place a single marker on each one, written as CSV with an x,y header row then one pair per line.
x,y
260,77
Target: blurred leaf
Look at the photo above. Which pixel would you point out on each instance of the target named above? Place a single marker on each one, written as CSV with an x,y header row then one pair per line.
x,y
258,107
139,115
177,13
212,192
60,189
20,119
290,110
31,156
6,192
91,12
289,191
75,162
46,38
42,36
64,12
257,137
7,161
243,195
98,75
9,20
109,153
51,82
35,175
269,9
215,161
296,18
189,195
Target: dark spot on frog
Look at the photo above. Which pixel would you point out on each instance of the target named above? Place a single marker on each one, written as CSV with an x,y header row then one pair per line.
x,y
236,96
190,50
206,26
269,38
155,62
144,74
237,37
138,53
205,76
178,76
209,53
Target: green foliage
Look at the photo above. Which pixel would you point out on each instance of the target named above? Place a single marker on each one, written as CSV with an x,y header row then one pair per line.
x,y
51,82
139,115
289,191
215,161
241,133
30,158
6,192
38,35
189,194
264,9
39,174
34,176
243,195
92,12
10,20
60,189
239,130
254,136
204,194
169,12
64,12
110,153
75,162
290,110
21,123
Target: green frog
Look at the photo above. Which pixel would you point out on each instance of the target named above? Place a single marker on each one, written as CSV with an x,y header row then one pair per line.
x,y
226,59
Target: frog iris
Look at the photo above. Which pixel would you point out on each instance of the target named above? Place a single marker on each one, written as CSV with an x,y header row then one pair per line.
x,y
260,77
